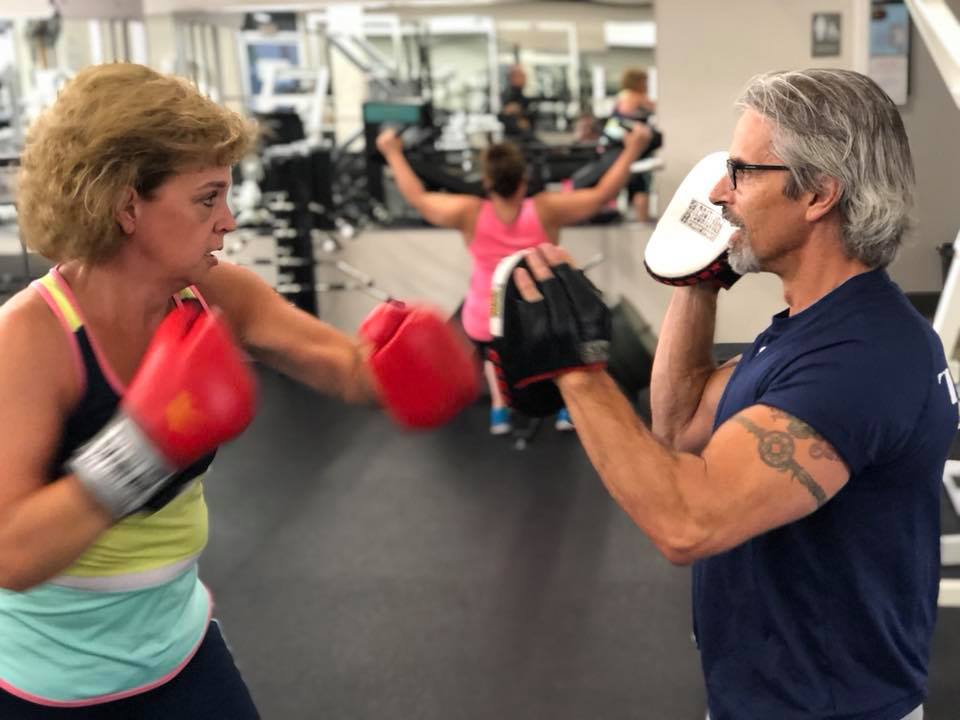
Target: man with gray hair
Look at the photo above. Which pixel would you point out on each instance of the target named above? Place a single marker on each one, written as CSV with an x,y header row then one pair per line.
x,y
800,479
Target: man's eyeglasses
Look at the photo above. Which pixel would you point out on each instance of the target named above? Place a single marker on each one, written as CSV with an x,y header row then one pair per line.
x,y
735,166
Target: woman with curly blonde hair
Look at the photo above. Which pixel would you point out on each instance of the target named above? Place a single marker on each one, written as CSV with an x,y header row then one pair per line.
x,y
120,377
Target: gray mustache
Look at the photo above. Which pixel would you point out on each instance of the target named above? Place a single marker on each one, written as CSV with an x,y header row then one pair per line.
x,y
735,221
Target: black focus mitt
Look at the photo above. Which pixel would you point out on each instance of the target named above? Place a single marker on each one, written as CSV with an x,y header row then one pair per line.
x,y
535,342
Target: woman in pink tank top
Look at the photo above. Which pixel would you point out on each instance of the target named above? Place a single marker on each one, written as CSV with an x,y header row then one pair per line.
x,y
503,223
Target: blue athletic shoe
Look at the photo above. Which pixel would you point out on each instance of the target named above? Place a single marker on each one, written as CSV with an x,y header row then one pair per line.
x,y
500,421
563,423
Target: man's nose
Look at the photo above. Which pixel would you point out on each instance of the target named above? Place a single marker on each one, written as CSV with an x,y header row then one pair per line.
x,y
720,194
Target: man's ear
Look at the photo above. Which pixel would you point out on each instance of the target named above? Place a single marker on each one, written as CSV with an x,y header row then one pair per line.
x,y
826,197
126,210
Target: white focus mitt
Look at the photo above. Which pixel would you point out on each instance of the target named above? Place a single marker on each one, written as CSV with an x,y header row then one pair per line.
x,y
689,243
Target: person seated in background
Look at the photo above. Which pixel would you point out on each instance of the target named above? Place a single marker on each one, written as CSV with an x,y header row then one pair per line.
x,y
503,223
633,104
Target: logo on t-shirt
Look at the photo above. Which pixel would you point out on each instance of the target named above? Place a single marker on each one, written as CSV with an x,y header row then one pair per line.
x,y
945,378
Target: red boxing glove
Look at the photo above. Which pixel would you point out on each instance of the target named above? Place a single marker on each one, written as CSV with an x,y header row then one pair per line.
x,y
192,392
425,372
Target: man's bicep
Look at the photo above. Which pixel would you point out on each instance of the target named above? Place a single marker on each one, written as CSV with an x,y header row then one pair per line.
x,y
770,468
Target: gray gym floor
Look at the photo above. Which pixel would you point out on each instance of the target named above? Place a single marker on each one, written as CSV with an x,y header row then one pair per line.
x,y
363,572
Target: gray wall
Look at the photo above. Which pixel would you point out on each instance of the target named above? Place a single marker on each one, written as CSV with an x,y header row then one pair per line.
x,y
933,124
706,52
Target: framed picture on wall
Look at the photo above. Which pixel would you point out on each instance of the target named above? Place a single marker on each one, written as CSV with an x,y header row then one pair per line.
x,y
826,34
890,49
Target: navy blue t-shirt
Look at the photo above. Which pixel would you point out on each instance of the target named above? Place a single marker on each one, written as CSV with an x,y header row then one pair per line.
x,y
831,616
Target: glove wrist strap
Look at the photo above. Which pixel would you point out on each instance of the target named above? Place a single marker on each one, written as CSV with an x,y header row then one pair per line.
x,y
120,467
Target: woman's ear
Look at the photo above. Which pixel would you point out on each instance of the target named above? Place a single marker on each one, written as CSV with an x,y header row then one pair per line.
x,y
126,210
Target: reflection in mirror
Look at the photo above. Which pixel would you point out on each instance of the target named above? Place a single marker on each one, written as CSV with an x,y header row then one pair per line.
x,y
324,83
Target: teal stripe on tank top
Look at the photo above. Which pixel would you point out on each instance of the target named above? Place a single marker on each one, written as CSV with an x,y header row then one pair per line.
x,y
62,644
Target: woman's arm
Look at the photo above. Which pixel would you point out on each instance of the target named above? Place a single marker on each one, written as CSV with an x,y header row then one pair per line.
x,y
442,209
557,209
288,339
410,360
44,526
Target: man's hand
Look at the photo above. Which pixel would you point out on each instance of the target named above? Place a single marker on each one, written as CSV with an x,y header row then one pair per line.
x,y
540,259
546,321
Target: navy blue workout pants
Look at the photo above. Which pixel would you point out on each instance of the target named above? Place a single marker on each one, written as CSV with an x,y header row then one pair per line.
x,y
208,688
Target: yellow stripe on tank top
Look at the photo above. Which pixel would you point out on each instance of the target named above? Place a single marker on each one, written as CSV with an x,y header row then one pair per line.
x,y
146,541
65,306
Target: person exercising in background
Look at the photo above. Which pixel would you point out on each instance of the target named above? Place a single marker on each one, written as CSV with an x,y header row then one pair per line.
x,y
503,223
120,377
634,104
633,101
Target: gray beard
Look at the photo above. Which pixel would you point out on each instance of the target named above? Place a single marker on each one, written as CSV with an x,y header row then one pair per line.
x,y
741,257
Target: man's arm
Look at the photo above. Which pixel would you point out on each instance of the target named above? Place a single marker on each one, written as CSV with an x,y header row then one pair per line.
x,y
442,209
685,384
762,469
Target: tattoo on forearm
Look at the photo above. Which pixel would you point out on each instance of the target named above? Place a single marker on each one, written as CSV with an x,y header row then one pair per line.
x,y
777,450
